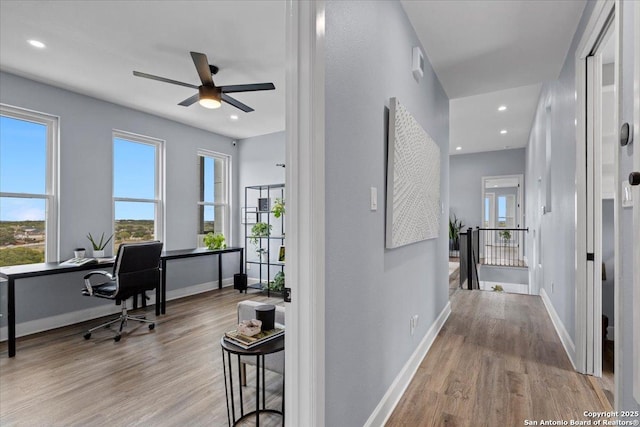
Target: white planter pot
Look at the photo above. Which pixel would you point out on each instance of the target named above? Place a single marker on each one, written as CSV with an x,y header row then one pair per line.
x,y
264,257
98,254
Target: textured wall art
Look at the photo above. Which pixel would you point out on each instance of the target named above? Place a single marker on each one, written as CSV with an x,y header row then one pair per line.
x,y
413,180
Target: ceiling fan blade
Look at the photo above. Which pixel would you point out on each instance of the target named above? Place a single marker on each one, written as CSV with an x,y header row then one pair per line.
x,y
247,88
190,100
162,79
232,101
202,66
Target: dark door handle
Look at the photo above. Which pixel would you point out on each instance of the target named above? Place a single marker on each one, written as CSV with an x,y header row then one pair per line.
x,y
634,178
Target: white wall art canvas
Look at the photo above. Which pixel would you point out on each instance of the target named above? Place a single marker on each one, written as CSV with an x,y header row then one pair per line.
x,y
413,180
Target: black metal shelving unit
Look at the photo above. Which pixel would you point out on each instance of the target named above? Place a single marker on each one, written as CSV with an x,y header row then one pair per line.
x,y
272,243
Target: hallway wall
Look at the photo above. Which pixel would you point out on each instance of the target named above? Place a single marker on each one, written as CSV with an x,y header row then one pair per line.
x,y
372,292
466,172
557,227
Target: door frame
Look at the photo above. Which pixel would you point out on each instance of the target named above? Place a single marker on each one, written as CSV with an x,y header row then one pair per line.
x,y
519,207
305,225
588,297
636,211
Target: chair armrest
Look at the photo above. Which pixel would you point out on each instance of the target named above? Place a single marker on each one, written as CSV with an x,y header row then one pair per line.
x,y
87,279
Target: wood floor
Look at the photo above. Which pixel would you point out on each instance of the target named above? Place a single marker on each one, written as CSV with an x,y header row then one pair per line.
x,y
496,362
171,376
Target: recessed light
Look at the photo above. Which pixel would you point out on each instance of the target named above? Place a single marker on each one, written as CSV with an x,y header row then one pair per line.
x,y
233,117
503,131
495,186
507,146
37,43
458,148
502,108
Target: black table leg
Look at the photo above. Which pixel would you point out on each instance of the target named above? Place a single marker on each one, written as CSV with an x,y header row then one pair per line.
x,y
226,390
258,391
11,308
163,288
159,292
219,271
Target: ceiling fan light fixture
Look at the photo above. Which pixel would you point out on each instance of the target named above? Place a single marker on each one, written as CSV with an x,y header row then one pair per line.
x,y
209,97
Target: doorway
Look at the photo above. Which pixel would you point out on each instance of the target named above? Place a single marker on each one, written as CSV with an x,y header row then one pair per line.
x,y
596,168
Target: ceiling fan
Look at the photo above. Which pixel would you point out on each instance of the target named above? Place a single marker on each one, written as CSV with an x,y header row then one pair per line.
x,y
209,95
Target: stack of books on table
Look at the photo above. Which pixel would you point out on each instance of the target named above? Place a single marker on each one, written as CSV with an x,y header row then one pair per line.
x,y
249,342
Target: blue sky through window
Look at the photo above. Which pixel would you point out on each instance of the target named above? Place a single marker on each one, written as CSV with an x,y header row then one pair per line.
x,y
23,168
502,208
134,174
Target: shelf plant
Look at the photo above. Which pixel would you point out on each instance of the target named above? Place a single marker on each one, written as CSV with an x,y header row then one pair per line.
x,y
214,241
260,229
278,207
277,284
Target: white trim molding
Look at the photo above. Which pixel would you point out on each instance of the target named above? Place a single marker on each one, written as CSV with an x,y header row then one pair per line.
x,y
390,400
305,225
565,338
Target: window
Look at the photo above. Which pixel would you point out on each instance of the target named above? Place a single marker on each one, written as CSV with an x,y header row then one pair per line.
x,y
213,206
506,211
28,161
137,188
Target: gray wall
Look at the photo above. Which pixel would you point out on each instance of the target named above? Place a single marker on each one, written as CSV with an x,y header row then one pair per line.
x,y
85,197
259,156
371,292
557,228
466,172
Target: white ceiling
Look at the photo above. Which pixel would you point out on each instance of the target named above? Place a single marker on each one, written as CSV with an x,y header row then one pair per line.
x,y
93,47
475,122
475,47
480,48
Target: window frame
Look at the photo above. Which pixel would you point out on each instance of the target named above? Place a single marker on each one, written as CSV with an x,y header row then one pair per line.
x,y
226,204
52,147
158,200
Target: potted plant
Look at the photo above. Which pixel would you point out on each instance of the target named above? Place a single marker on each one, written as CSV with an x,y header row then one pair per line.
x,y
277,284
98,246
455,225
260,229
263,254
214,241
278,207
505,235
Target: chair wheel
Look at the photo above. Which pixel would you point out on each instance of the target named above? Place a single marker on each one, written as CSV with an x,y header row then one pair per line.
x,y
117,338
152,326
87,335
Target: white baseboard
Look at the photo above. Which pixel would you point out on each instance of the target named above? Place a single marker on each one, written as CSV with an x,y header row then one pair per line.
x,y
565,338
385,408
66,319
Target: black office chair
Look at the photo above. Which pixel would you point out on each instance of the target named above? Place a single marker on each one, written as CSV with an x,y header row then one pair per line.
x,y
136,270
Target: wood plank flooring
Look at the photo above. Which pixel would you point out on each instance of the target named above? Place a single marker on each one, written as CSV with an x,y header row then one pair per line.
x,y
171,376
496,362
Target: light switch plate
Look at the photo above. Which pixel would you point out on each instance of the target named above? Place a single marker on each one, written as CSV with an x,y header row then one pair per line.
x,y
374,199
627,199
